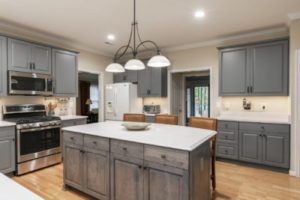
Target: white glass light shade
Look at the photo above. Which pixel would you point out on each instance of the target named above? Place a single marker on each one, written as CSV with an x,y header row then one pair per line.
x,y
134,64
115,67
159,61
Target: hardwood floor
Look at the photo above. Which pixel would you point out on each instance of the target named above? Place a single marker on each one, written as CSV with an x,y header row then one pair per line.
x,y
234,181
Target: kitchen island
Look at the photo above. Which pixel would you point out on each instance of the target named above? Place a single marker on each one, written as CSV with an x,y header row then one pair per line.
x,y
166,162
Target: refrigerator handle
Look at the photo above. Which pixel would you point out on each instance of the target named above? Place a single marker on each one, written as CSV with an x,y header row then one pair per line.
x,y
115,102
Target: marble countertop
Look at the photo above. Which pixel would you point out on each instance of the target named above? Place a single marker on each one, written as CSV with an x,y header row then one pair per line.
x,y
9,189
170,136
72,117
259,117
5,124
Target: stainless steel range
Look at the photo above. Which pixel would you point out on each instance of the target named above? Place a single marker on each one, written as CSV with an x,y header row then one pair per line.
x,y
37,136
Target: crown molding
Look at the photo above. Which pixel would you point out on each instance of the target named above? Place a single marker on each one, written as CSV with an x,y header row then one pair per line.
x,y
294,16
16,30
219,41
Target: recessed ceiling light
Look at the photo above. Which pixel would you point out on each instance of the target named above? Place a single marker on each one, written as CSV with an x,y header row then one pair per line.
x,y
199,14
111,37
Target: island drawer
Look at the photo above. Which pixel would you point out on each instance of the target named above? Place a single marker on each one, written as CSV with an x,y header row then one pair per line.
x,y
94,142
228,125
227,151
165,156
73,138
227,136
127,148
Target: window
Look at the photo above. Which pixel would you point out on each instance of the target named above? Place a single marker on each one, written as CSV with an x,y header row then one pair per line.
x,y
94,96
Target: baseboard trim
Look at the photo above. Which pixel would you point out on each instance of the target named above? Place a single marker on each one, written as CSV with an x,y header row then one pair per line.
x,y
292,173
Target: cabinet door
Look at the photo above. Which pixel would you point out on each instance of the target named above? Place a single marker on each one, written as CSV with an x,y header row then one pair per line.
x,y
166,183
7,155
158,81
73,167
276,149
119,77
131,76
19,55
129,171
97,174
233,71
144,82
41,59
3,66
65,73
270,68
250,146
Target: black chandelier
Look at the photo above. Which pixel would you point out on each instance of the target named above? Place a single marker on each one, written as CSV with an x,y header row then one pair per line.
x,y
135,64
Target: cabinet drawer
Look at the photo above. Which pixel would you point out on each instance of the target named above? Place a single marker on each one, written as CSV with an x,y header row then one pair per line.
x,y
227,125
127,148
73,138
282,128
97,143
227,151
74,122
227,136
7,131
166,156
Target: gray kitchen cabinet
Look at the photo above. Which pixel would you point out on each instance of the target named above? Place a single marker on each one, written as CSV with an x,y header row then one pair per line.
x,y
73,122
254,70
130,171
127,76
150,118
28,57
233,71
250,146
65,73
152,82
3,66
7,150
270,68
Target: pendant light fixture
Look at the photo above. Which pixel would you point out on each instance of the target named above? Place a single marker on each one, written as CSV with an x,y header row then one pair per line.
x,y
133,45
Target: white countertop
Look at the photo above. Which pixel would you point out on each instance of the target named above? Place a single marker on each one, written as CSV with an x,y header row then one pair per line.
x,y
170,136
71,117
259,117
5,124
9,189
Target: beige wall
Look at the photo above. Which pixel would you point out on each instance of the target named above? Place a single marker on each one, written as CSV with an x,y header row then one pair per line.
x,y
294,45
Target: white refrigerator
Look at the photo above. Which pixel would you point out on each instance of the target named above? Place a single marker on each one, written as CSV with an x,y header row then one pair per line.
x,y
121,98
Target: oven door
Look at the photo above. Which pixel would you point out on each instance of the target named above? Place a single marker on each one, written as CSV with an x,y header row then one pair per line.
x,y
29,83
37,143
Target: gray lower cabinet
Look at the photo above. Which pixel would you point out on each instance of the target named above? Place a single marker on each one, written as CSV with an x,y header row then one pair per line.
x,y
152,82
28,57
259,69
149,119
65,73
266,144
73,122
86,164
128,76
7,149
3,66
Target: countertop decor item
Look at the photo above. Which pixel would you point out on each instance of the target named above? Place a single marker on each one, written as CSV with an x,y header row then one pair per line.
x,y
135,125
135,64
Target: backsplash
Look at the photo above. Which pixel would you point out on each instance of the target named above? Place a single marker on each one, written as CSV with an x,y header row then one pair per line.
x,y
157,101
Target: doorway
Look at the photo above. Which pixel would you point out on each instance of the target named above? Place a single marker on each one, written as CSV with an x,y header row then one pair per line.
x,y
197,97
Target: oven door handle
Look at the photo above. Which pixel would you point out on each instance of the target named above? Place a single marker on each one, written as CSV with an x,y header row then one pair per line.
x,y
38,129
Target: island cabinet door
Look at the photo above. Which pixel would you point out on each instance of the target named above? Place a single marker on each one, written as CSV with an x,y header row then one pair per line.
x,y
164,182
96,167
126,178
73,167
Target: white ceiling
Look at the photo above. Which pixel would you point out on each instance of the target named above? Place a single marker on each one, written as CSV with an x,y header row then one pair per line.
x,y
168,22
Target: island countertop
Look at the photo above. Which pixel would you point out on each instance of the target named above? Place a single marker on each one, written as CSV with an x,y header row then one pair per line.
x,y
169,136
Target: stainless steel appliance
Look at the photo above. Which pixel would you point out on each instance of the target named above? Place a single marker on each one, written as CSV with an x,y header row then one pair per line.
x,y
26,83
37,136
151,109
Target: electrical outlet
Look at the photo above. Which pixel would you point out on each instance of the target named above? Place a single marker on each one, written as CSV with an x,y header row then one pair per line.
x,y
263,106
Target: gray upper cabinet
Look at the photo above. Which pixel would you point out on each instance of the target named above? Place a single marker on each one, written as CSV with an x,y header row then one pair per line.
x,y
128,76
28,57
3,66
152,82
65,73
255,70
7,150
233,71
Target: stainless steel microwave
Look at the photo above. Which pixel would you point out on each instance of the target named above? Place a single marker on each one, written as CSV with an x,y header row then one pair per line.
x,y
27,83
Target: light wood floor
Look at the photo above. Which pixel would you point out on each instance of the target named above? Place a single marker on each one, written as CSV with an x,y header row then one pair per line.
x,y
233,182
